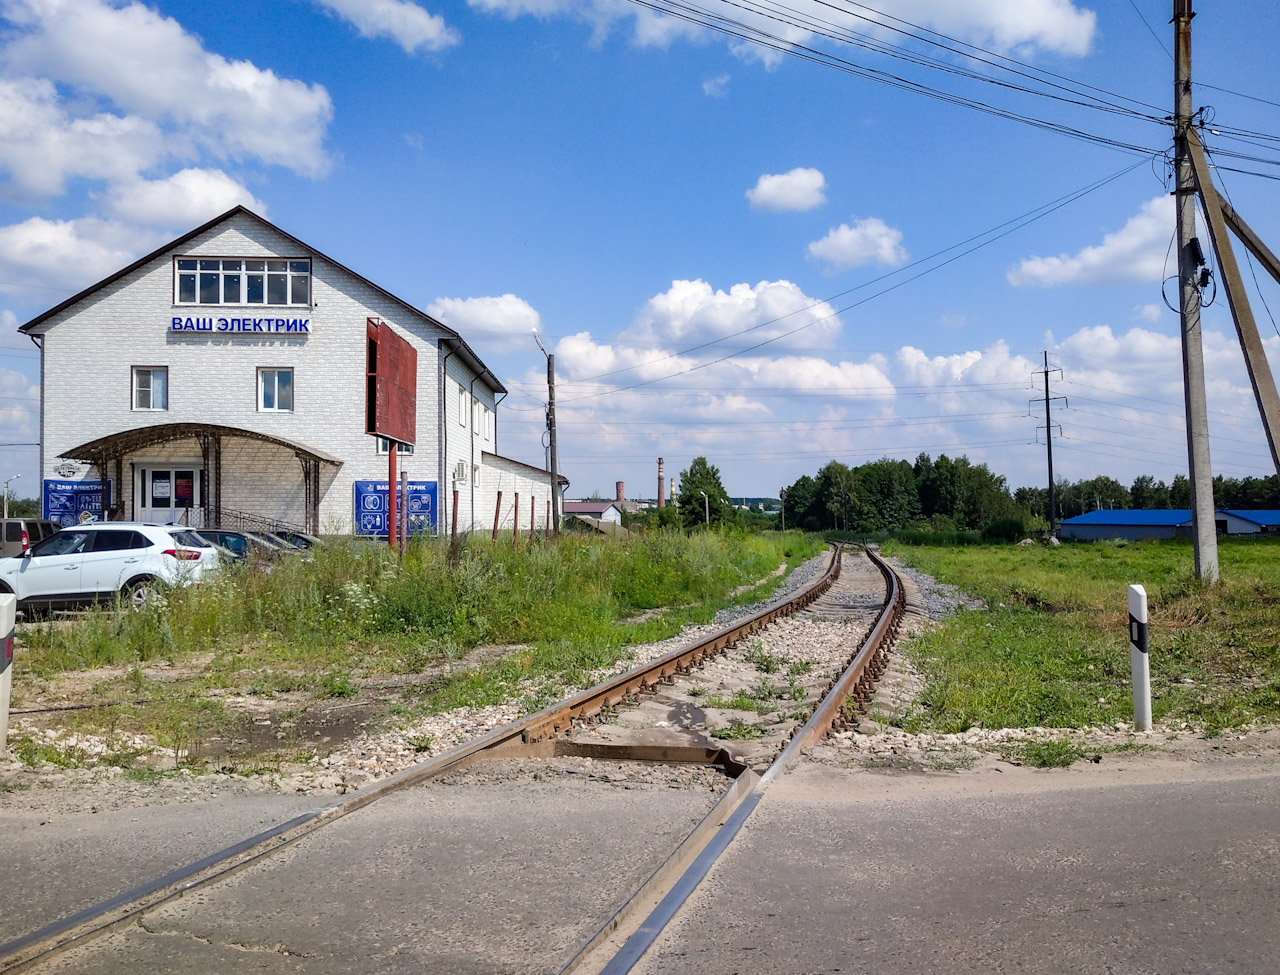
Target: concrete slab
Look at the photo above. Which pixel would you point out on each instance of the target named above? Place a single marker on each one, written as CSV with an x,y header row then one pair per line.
x,y
1036,872
464,878
56,863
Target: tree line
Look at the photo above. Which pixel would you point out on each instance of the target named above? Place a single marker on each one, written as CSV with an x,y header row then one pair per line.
x,y
955,494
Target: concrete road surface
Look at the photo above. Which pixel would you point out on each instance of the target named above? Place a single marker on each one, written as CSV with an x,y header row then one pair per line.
x,y
1158,868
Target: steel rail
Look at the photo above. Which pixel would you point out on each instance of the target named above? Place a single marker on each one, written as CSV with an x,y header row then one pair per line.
x,y
865,666
39,945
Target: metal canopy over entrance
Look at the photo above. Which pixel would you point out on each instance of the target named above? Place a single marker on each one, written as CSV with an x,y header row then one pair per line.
x,y
108,454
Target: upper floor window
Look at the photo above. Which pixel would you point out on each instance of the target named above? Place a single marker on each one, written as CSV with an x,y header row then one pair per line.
x,y
150,387
462,405
404,449
275,390
219,281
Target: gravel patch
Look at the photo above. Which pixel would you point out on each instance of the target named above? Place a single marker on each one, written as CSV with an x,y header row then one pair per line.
x,y
619,775
894,750
934,600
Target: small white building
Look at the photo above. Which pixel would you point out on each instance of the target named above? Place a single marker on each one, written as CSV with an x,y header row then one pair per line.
x,y
609,511
222,380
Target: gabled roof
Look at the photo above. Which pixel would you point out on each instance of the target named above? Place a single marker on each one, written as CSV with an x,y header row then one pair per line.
x,y
1132,516
589,507
454,339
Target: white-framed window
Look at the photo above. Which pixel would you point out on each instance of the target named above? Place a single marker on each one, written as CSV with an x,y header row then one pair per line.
x,y
477,418
150,387
462,405
405,449
240,281
488,423
275,390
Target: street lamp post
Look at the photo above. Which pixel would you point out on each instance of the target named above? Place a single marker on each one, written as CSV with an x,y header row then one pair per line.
x,y
6,493
706,505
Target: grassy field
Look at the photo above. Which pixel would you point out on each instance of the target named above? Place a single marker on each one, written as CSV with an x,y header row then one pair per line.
x,y
1052,648
353,616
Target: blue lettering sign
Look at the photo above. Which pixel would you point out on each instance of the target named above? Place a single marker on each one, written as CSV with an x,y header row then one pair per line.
x,y
371,507
71,502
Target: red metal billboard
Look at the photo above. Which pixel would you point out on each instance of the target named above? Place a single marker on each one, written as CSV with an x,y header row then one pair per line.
x,y
391,390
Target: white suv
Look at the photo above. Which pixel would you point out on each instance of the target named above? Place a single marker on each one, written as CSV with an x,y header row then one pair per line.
x,y
96,561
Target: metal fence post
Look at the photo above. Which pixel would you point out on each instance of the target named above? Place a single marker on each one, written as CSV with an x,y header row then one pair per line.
x,y
1139,663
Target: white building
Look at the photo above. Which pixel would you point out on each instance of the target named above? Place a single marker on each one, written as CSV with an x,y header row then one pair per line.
x,y
222,379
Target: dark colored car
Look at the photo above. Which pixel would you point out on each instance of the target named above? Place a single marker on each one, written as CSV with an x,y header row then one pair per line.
x,y
240,546
296,539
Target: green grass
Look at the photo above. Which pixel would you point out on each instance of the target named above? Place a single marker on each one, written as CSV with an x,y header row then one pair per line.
x,y
1051,650
1056,753
737,731
320,627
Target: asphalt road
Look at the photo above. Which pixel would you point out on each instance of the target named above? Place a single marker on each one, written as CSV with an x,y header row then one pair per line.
x,y
1164,870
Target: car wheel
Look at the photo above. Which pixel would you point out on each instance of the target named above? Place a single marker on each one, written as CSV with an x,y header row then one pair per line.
x,y
140,594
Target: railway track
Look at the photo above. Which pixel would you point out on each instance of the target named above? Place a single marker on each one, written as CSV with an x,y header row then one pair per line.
x,y
661,712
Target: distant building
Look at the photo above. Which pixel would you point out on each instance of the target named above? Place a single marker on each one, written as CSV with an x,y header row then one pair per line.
x,y
608,511
1140,523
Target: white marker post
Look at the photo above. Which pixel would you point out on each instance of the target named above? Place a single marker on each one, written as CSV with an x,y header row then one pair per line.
x,y
1139,666
8,616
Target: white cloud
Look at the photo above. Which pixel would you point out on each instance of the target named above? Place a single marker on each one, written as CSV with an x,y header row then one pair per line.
x,y
496,325
185,199
716,87
1028,26
800,189
1134,253
66,255
405,23
868,241
692,312
147,65
1148,313
42,145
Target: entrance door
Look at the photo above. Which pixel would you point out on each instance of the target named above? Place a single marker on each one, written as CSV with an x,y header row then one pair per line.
x,y
170,495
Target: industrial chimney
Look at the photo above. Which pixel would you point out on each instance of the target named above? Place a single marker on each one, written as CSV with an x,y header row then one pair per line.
x,y
662,484
620,492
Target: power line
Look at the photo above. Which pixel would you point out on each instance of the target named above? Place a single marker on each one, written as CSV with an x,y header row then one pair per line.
x,y
1151,30
1018,223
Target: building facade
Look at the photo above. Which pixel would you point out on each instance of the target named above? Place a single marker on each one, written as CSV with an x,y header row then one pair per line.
x,y
222,379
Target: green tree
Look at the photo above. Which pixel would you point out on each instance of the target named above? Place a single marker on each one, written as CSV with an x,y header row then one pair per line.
x,y
701,477
1147,492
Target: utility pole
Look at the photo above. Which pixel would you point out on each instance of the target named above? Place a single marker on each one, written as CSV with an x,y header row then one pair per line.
x,y
551,432
1190,258
782,495
1048,442
1048,439
551,427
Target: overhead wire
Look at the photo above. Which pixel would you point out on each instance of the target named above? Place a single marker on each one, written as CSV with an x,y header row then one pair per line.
x,y
1006,228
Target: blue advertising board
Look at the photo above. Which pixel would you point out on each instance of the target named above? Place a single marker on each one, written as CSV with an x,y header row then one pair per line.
x,y
371,507
72,502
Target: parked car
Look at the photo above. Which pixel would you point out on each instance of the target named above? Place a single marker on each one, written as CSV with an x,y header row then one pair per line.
x,y
239,546
296,539
19,534
97,561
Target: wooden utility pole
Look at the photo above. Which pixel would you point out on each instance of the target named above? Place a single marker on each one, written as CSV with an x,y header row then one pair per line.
x,y
1190,258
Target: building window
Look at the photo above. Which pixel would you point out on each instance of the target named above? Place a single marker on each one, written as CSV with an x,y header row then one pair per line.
x,y
462,406
150,388
275,390
216,281
404,450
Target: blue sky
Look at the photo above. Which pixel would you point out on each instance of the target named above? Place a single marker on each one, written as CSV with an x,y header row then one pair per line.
x,y
642,189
